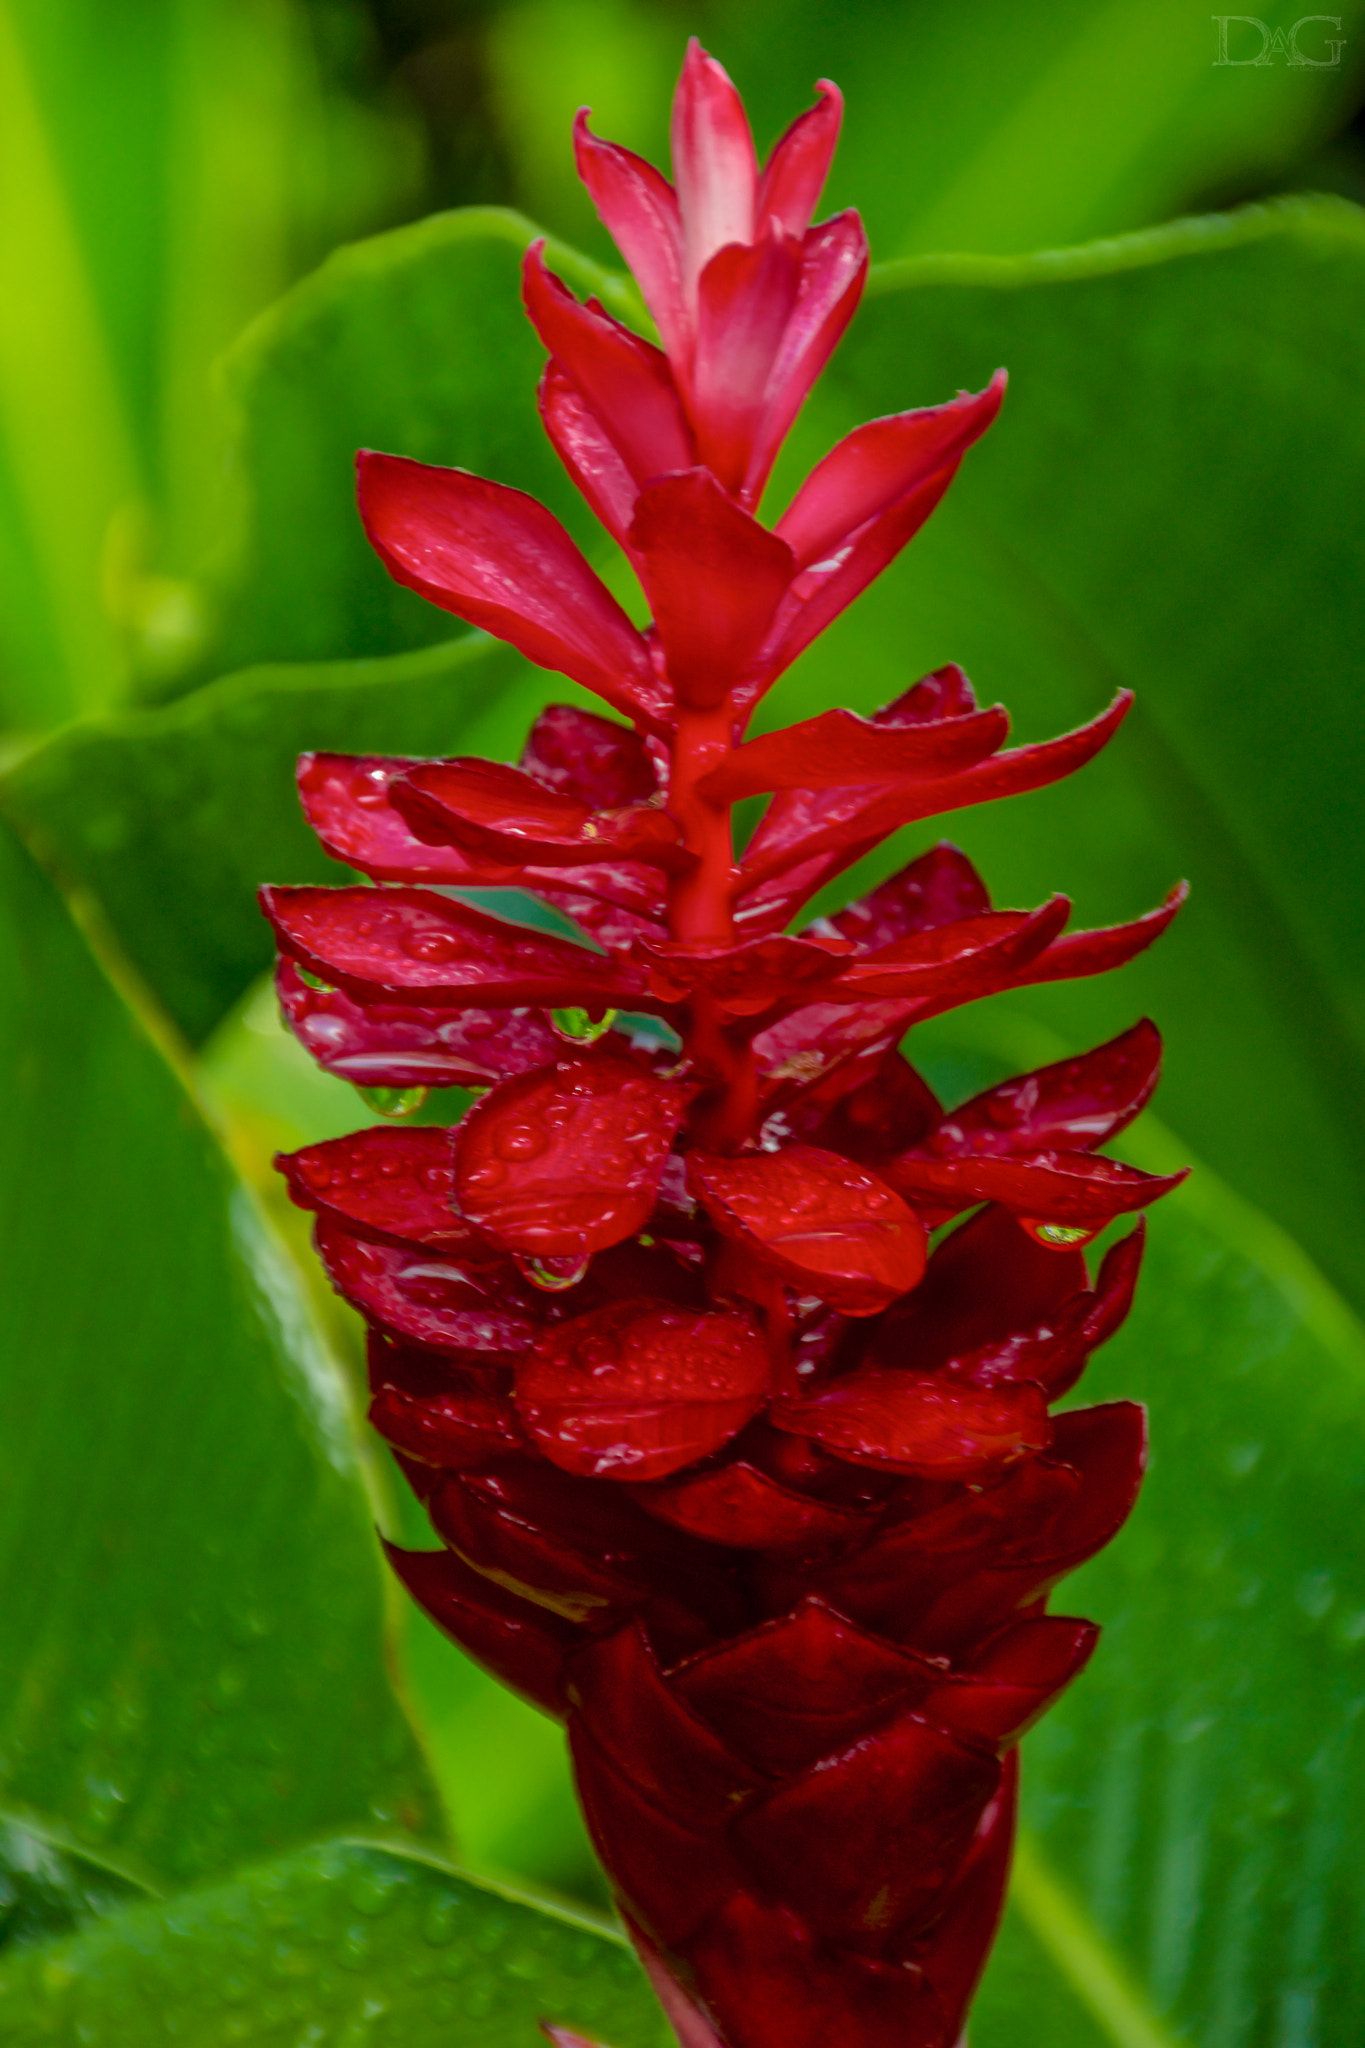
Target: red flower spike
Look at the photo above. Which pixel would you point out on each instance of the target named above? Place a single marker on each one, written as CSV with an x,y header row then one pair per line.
x,y
819,1222
563,1161
764,1502
640,1389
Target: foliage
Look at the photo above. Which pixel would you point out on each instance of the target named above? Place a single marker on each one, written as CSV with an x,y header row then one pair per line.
x,y
1171,497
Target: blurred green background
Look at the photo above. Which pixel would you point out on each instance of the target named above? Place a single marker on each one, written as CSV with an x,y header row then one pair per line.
x,y
1172,499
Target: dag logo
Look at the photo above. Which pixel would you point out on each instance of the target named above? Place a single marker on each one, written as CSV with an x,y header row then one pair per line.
x,y
1276,43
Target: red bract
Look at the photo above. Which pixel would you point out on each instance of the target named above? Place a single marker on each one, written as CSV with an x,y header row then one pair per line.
x,y
729,1470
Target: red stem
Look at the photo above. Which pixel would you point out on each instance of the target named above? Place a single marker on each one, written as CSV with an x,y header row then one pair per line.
x,y
699,914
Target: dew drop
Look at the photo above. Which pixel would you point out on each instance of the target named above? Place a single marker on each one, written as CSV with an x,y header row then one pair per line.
x,y
1058,1235
577,1025
393,1103
524,1140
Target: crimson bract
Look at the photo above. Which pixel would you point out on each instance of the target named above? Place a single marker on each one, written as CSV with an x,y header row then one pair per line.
x,y
734,1466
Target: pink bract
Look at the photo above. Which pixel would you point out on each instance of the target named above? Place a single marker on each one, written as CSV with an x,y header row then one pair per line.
x,y
734,1465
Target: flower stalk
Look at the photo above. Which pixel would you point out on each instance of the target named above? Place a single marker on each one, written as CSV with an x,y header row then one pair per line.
x,y
739,1461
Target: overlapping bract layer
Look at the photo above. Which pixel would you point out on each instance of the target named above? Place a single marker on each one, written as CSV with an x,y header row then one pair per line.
x,y
733,1465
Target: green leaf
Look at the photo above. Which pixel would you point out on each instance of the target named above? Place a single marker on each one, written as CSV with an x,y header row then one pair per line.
x,y
414,343
1194,1804
1171,501
174,818
47,1888
351,1944
191,1606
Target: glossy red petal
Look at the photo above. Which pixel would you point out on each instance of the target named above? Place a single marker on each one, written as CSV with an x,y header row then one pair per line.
x,y
383,944
821,592
1006,1689
603,764
498,559
778,846
984,1283
383,1045
713,162
1072,1191
1070,1106
957,962
794,175
912,1422
877,465
937,889
953,1954
744,1509
746,297
587,451
672,1757
391,1185
825,1225
743,979
346,799
423,1296
566,1160
640,1389
520,1644
885,1111
569,1555
863,816
839,748
772,1982
862,1843
626,382
461,1430
639,210
834,259
787,1693
688,536
1099,952
495,813
672,1874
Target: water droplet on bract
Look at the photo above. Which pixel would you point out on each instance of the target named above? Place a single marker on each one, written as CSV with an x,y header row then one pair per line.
x,y
526,1139
554,1275
393,1103
324,988
1061,1236
579,1026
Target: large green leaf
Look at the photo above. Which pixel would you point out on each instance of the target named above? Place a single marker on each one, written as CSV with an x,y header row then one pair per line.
x,y
351,1945
191,1607
1171,500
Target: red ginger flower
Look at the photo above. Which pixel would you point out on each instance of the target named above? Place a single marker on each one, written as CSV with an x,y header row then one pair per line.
x,y
732,1471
